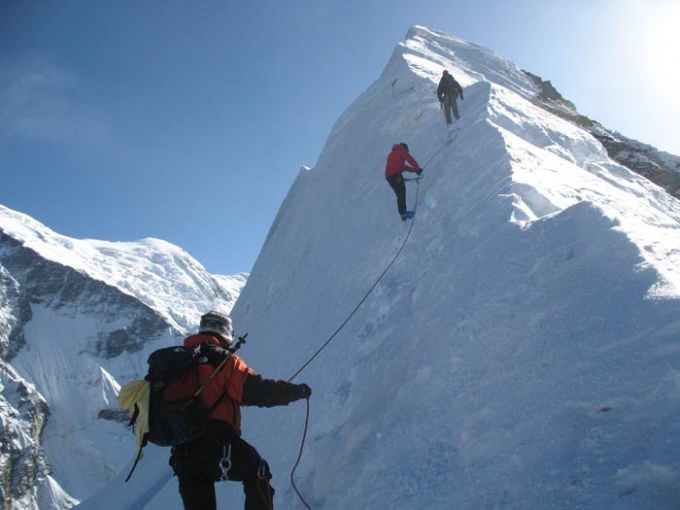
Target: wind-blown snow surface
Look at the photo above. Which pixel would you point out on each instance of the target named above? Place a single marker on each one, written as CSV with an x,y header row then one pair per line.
x,y
522,351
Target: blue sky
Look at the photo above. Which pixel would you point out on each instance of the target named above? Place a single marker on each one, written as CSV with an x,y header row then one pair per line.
x,y
188,121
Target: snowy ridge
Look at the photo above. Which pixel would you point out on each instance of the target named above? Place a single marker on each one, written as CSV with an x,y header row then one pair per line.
x,y
581,171
536,132
504,362
522,350
161,275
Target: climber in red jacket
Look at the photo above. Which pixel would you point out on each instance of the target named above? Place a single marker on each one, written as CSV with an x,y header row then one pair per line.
x,y
398,162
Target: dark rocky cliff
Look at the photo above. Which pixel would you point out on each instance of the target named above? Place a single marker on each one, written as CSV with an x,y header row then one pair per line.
x,y
659,167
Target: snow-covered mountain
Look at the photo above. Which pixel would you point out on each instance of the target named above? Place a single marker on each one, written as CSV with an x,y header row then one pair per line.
x,y
78,317
522,350
659,167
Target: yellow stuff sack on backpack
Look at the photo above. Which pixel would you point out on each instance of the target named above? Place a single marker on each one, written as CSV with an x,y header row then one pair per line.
x,y
134,397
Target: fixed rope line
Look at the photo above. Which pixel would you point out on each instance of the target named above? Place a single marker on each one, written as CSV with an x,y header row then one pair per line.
x,y
304,434
448,141
330,339
368,293
370,290
299,458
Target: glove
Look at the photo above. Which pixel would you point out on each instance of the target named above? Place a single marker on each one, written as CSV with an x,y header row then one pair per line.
x,y
419,171
461,97
304,391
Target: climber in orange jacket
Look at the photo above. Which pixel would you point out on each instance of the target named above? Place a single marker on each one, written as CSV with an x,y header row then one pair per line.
x,y
221,453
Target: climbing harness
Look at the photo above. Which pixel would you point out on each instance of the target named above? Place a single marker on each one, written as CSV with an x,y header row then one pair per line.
x,y
349,317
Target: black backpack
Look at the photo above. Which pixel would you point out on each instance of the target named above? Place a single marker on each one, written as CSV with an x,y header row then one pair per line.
x,y
176,414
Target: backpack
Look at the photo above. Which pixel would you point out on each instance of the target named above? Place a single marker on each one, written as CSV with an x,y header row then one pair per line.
x,y
176,414
165,407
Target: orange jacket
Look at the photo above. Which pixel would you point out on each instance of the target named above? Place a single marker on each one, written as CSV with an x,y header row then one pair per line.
x,y
396,161
231,378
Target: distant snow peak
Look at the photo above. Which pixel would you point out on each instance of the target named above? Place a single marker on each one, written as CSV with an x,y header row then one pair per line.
x,y
78,318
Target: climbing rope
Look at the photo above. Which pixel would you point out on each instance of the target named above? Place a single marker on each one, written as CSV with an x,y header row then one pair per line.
x,y
299,458
370,290
349,317
356,308
449,140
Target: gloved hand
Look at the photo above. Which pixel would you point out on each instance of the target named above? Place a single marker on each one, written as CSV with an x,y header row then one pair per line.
x,y
461,97
304,390
419,171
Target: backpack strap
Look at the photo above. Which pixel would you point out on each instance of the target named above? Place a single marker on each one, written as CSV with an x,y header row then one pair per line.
x,y
189,399
139,456
205,383
218,402
135,414
212,376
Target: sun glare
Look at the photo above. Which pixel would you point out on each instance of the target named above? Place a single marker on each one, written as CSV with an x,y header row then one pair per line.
x,y
662,43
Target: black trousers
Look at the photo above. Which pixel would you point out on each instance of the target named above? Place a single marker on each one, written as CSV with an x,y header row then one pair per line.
x,y
201,463
397,183
450,105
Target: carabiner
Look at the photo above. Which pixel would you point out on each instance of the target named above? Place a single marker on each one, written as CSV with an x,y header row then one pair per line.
x,y
225,461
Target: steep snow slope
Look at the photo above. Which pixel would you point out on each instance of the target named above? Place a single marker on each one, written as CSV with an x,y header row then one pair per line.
x,y
521,352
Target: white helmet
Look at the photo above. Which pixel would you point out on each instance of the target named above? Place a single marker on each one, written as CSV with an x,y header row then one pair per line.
x,y
218,323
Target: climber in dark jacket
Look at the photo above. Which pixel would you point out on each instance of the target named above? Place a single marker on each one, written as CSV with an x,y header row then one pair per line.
x,y
447,92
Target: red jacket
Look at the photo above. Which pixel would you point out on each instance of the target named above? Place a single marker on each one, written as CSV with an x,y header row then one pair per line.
x,y
231,378
396,161
242,385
